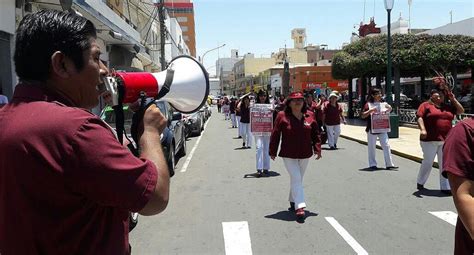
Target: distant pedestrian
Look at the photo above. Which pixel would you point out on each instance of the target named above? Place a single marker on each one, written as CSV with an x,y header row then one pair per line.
x,y
232,107
219,105
435,120
262,142
300,140
237,117
458,166
332,120
374,105
245,122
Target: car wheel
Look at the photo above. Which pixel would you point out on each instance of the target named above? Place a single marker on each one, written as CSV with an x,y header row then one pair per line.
x,y
133,221
171,160
182,150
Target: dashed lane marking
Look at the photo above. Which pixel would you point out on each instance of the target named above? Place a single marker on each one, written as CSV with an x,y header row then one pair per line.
x,y
448,216
347,237
237,238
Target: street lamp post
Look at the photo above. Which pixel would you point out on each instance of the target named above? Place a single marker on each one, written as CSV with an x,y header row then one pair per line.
x,y
203,55
388,81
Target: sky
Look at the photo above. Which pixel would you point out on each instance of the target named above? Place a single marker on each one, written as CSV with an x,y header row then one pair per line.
x,y
264,26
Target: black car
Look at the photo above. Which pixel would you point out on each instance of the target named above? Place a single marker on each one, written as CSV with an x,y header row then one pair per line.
x,y
173,138
194,123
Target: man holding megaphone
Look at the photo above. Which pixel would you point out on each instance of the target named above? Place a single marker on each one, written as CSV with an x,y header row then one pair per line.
x,y
67,185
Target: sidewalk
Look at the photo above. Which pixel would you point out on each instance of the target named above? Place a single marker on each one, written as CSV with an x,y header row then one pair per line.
x,y
407,145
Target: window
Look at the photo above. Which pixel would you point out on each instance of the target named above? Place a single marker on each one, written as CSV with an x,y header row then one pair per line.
x,y
186,38
182,19
184,28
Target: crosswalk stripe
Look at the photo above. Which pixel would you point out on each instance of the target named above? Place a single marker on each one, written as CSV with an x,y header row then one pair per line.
x,y
237,238
347,237
448,216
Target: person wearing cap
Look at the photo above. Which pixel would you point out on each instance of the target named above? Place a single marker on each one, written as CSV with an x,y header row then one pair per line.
x,y
262,142
299,133
374,99
244,108
332,119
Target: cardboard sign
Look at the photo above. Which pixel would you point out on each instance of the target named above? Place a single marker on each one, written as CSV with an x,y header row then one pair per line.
x,y
380,119
261,119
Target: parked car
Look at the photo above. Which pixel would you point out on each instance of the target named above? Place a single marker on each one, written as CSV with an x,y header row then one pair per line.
x,y
206,111
194,123
173,138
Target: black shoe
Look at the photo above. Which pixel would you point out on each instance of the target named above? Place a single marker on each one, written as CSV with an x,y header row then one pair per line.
x,y
292,207
332,148
447,192
374,168
265,171
259,173
335,146
391,167
239,136
419,187
243,145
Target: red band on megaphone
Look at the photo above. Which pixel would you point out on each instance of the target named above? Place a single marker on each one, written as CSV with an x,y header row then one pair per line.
x,y
135,83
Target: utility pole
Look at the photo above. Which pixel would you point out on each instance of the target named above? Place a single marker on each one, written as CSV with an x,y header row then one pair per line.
x,y
286,76
161,17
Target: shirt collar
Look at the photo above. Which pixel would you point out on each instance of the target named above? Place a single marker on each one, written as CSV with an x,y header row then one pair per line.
x,y
37,91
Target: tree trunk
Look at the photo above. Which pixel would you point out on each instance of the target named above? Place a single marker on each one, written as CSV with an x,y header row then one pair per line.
x,y
350,112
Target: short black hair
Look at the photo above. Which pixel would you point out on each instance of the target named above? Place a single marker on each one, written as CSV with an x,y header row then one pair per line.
x,y
288,108
373,92
41,34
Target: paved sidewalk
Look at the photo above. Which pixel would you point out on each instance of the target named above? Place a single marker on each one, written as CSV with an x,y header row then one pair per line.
x,y
407,145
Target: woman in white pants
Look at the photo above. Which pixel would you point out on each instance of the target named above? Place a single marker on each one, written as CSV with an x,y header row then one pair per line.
x,y
300,140
434,121
245,122
373,106
332,118
262,142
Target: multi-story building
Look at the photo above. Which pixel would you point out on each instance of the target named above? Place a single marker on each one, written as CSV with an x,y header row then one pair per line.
x,y
246,70
183,11
224,71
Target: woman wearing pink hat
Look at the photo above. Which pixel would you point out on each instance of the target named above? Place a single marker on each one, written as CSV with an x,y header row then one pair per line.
x,y
332,119
299,133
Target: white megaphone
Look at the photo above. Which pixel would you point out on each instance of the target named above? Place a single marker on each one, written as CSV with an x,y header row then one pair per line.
x,y
184,84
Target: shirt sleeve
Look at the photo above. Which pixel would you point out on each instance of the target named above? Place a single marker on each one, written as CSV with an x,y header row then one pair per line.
x,y
105,171
421,110
275,137
457,154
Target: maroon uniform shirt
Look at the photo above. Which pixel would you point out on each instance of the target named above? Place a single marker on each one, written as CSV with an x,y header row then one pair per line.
x,y
299,138
458,159
437,120
66,184
332,115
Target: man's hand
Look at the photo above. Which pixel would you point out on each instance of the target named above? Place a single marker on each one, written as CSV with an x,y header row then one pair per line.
x,y
154,120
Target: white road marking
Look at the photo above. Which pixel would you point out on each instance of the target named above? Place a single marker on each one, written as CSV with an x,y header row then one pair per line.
x,y
237,238
448,216
347,237
190,156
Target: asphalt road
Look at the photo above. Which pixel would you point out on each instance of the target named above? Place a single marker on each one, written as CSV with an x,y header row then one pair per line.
x,y
217,206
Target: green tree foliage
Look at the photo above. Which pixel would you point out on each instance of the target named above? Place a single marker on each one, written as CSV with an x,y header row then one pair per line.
x,y
413,54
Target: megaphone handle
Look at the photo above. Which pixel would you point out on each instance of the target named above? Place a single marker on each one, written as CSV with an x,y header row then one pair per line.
x,y
137,118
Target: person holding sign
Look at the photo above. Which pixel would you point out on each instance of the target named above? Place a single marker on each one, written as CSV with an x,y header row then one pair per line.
x,y
435,120
261,118
300,140
378,125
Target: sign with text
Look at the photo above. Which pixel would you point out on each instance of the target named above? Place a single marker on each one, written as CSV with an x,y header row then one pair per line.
x,y
261,119
380,119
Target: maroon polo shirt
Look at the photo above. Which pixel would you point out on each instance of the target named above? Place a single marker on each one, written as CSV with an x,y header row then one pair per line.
x,y
332,114
244,114
458,159
299,138
66,184
438,121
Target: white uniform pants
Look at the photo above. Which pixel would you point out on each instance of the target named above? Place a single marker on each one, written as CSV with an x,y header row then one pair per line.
x,y
232,118
262,143
246,134
430,150
239,128
333,133
296,168
371,142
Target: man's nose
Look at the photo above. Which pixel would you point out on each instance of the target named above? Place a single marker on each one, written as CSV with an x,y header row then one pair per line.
x,y
104,71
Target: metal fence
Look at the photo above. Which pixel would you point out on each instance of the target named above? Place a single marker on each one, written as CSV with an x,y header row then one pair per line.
x,y
409,116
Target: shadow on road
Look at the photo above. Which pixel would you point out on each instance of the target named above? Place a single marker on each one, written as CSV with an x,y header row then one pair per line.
x,y
429,193
290,216
256,175
242,148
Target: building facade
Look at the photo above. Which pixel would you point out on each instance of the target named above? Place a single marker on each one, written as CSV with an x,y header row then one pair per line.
x,y
183,11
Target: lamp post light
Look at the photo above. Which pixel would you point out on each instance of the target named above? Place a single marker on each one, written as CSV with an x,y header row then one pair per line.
x,y
388,82
203,55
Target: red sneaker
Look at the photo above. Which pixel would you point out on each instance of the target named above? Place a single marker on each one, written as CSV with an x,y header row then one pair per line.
x,y
300,213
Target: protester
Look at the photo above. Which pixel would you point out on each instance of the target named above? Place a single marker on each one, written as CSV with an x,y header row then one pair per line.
x,y
237,118
458,166
3,98
66,184
332,120
245,122
226,108
435,120
219,105
299,134
374,106
321,102
262,142
232,106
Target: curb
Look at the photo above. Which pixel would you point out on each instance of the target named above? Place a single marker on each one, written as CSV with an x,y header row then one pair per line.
x,y
396,152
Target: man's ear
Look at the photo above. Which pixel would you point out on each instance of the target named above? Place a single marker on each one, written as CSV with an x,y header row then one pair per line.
x,y
60,65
